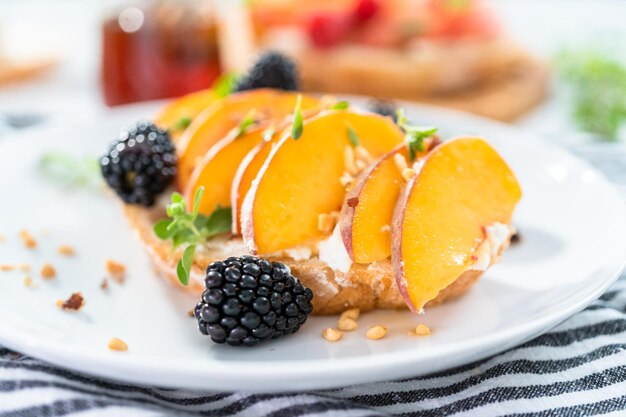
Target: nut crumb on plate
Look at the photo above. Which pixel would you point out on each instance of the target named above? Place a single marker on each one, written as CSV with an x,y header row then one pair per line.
x,y
48,271
104,285
27,281
352,314
117,344
24,267
420,330
28,240
376,332
66,250
332,335
117,270
7,267
346,324
74,303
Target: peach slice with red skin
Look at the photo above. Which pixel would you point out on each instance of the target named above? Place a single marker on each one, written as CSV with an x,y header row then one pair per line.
x,y
300,179
460,188
367,211
217,169
210,126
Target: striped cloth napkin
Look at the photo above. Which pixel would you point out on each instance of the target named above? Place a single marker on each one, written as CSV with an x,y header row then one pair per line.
x,y
577,369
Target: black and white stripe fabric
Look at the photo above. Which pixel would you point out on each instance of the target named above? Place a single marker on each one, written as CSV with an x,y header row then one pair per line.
x,y
577,369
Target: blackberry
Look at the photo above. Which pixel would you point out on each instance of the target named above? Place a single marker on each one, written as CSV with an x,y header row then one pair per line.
x,y
140,163
248,300
384,108
271,70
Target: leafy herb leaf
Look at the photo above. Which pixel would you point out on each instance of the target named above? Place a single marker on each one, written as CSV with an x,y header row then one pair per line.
x,y
190,228
298,123
414,135
182,123
225,84
353,137
341,105
245,123
69,170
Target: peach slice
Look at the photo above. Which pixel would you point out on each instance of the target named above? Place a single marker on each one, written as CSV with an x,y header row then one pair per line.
x,y
462,187
210,126
217,169
300,179
187,106
367,210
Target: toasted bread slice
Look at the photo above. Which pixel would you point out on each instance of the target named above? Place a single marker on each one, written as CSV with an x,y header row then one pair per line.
x,y
367,287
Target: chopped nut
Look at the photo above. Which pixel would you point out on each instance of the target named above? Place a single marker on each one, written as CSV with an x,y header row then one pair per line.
x,y
24,267
7,267
346,324
347,181
326,222
74,303
376,332
360,165
27,281
400,162
117,345
28,240
350,161
364,155
104,285
408,173
66,250
117,270
48,271
332,335
352,314
420,330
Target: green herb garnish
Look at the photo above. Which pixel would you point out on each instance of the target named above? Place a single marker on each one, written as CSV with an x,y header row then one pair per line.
x,y
341,105
298,124
69,170
414,135
190,228
598,84
353,137
269,133
245,123
225,84
182,123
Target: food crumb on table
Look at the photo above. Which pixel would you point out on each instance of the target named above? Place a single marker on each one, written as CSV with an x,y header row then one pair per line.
x,y
48,272
117,270
117,344
74,303
420,330
376,332
28,240
66,250
332,335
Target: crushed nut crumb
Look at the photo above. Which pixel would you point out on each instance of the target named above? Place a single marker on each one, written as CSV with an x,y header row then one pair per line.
x,y
74,303
420,330
332,335
376,332
363,154
28,240
24,267
116,270
346,324
104,285
7,268
400,162
48,271
27,281
117,344
349,161
66,250
352,314
408,173
347,181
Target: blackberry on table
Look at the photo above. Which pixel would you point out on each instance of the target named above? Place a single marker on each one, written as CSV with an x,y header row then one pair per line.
x,y
140,163
271,70
248,300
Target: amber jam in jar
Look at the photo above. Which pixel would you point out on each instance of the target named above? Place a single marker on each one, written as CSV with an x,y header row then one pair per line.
x,y
158,49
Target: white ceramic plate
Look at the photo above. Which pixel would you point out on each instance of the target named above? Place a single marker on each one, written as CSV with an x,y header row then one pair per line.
x,y
572,222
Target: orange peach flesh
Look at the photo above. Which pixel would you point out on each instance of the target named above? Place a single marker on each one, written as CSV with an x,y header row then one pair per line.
x,y
214,123
187,106
439,221
300,179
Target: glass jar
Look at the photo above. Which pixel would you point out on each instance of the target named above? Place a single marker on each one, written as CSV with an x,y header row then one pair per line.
x,y
155,49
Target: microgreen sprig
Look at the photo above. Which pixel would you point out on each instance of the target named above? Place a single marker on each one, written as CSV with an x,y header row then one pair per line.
x,y
69,170
353,137
181,124
414,135
298,123
225,84
340,105
246,123
190,228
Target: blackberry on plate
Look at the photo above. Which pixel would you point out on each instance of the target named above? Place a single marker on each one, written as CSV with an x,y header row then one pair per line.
x,y
140,163
384,108
271,70
248,300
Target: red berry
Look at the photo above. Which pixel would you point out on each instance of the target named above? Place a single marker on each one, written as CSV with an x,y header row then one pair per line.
x,y
328,29
366,9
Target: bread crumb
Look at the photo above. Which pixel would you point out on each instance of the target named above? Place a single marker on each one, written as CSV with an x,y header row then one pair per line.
x,y
66,250
74,303
104,285
408,173
117,270
28,240
420,330
376,332
117,344
7,268
27,281
346,324
48,271
332,335
352,314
